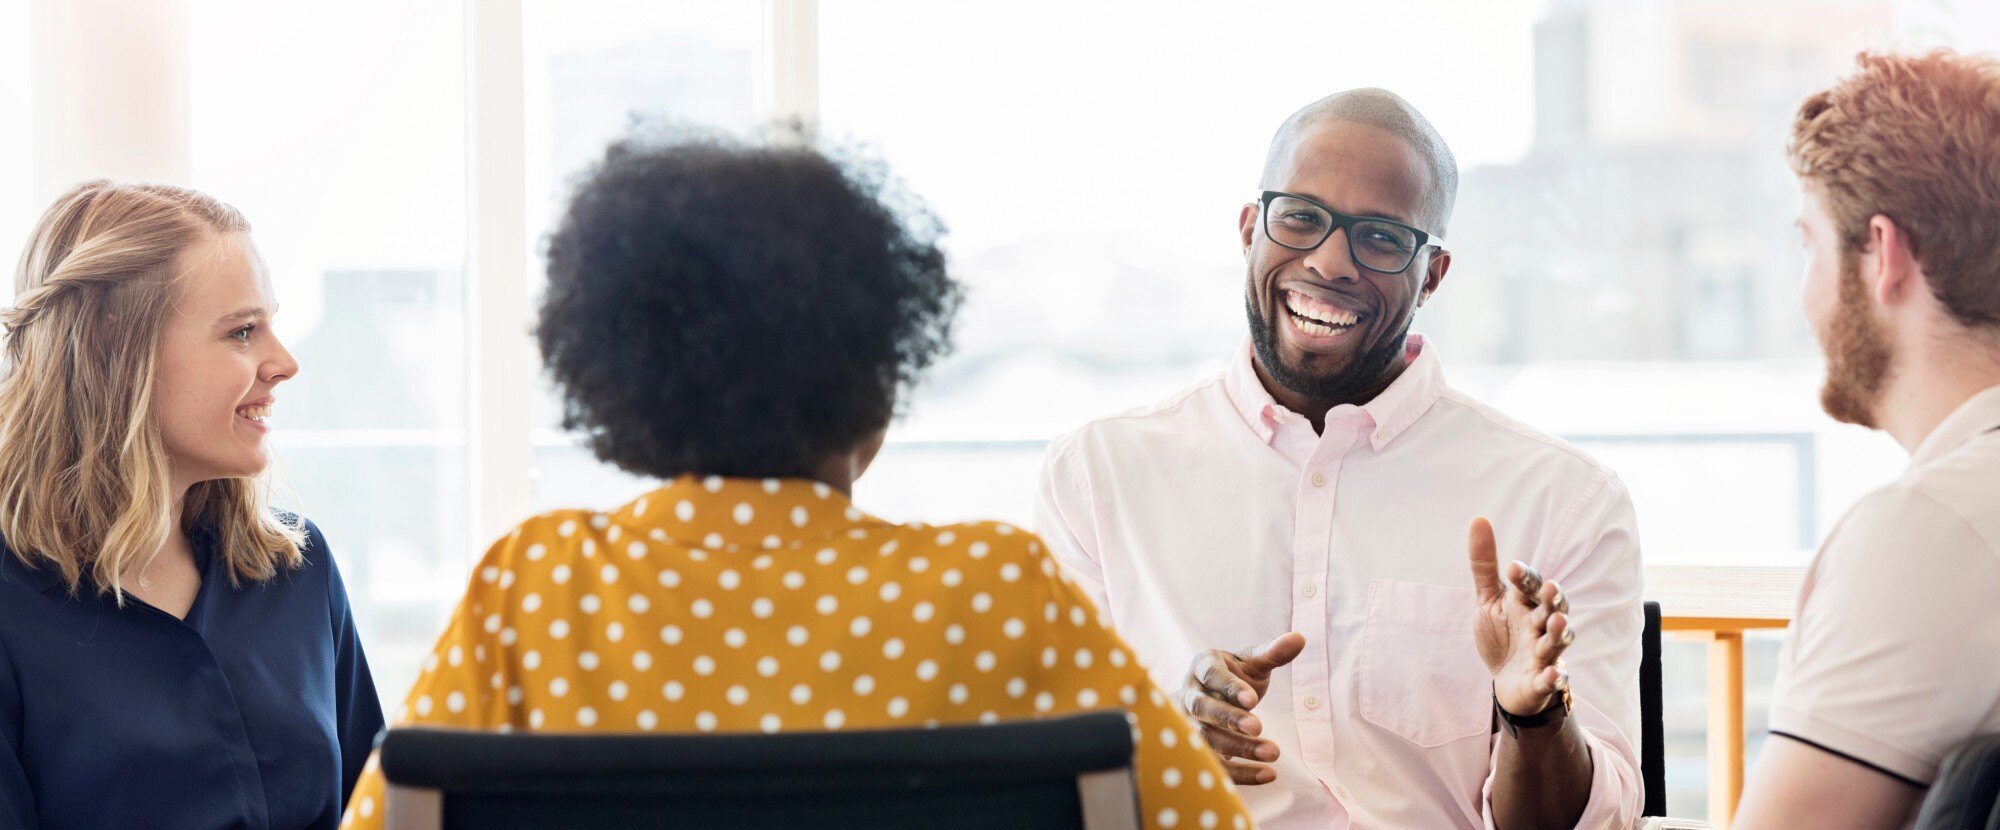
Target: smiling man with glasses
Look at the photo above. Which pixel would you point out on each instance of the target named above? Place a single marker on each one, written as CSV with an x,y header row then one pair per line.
x,y
1316,498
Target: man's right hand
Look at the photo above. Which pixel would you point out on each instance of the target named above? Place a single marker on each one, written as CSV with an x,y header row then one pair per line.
x,y
1220,691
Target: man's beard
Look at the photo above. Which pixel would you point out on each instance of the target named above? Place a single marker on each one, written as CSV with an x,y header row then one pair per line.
x,y
1363,372
1858,353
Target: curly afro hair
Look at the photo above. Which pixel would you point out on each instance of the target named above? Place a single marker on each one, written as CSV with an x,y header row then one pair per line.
x,y
739,308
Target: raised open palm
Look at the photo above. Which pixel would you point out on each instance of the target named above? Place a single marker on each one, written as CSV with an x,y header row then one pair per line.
x,y
1522,627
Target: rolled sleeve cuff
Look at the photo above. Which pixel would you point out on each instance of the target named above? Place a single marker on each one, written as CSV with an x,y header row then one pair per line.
x,y
1614,788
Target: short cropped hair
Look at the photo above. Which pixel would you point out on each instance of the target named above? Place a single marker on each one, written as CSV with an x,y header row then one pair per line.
x,y
1384,110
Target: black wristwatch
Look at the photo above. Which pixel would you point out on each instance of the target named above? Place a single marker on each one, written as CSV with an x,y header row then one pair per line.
x,y
1550,714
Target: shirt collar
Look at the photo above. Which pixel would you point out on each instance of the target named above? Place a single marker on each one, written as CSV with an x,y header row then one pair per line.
x,y
1391,413
46,578
721,513
42,576
1978,414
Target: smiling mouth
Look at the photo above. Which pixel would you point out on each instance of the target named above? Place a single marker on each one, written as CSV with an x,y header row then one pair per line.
x,y
255,412
1320,319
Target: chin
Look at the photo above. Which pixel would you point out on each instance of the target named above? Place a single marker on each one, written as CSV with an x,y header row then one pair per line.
x,y
242,468
1847,405
1325,368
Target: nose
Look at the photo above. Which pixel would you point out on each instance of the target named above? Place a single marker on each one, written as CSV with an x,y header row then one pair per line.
x,y
279,365
1332,261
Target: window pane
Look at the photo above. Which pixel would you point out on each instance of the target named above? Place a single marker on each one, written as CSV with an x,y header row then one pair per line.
x,y
1093,200
1624,273
339,130
17,201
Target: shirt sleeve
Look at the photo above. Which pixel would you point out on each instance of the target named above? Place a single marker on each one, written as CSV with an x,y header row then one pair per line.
x,y
1065,521
1084,666
1595,558
357,708
17,800
1882,666
467,679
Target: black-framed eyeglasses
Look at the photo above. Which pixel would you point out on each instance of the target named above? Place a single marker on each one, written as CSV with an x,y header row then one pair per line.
x,y
1301,224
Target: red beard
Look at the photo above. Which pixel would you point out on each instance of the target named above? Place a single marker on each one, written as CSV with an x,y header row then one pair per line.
x,y
1857,352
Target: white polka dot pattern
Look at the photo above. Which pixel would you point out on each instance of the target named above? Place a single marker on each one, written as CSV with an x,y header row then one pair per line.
x,y
778,606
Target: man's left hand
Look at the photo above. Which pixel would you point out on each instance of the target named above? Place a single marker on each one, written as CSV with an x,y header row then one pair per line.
x,y
1522,629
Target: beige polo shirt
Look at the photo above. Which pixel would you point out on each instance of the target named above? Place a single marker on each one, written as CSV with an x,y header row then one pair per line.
x,y
1894,655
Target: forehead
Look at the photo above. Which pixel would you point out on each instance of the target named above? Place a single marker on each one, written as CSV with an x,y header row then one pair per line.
x,y
1356,168
223,273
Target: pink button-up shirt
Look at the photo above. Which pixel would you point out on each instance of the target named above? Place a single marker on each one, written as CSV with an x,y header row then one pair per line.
x,y
1219,519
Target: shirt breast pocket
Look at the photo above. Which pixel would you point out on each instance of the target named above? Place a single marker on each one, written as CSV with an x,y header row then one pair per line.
x,y
1421,676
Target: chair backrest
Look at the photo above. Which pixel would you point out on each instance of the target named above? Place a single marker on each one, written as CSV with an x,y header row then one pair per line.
x,y
1652,718
1070,772
1966,794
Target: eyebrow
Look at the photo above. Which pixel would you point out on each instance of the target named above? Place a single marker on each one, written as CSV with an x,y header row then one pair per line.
x,y
244,315
1365,213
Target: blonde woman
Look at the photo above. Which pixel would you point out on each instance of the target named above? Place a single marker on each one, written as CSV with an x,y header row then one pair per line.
x,y
173,653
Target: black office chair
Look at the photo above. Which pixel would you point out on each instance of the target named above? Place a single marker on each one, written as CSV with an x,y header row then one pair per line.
x,y
1070,772
1653,733
1652,718
1966,794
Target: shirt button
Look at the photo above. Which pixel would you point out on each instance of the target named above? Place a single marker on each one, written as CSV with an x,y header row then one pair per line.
x,y
1308,588
1340,792
1312,702
1319,479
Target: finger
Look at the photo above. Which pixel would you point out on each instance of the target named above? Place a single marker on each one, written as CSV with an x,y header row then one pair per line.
x,y
1538,619
1527,582
1551,645
1561,600
1219,713
1484,555
1216,672
1233,745
1547,681
1247,774
1258,663
1561,632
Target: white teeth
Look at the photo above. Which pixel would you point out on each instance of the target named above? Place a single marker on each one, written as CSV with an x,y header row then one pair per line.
x,y
1339,317
255,413
1315,329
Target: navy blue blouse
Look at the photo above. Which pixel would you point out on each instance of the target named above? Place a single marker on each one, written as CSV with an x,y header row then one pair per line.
x,y
255,712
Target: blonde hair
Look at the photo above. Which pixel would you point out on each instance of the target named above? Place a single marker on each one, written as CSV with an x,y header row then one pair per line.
x,y
84,482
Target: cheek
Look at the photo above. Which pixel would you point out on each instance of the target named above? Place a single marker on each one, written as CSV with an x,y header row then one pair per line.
x,y
193,392
185,414
1819,287
1397,295
1265,264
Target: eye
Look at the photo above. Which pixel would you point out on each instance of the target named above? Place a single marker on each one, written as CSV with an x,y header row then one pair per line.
x,y
242,333
1386,239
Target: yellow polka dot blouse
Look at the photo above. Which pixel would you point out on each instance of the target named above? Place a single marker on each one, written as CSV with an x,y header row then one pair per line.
x,y
738,605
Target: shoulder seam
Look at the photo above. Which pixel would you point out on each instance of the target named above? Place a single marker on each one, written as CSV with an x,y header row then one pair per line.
x,y
1576,506
1062,454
